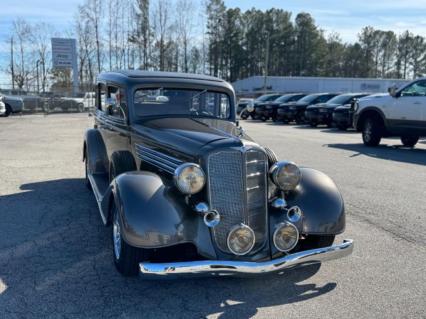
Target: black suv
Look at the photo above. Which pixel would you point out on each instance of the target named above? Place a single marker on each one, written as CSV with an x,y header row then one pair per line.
x,y
295,111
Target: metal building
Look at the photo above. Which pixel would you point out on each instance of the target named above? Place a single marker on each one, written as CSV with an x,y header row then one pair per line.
x,y
256,85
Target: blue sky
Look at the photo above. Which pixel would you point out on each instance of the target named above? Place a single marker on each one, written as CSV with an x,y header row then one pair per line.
x,y
346,17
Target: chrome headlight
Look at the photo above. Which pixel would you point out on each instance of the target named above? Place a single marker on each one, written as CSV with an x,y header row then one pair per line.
x,y
286,237
189,178
286,175
240,239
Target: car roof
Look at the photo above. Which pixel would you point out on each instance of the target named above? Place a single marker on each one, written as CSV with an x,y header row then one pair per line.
x,y
141,74
135,78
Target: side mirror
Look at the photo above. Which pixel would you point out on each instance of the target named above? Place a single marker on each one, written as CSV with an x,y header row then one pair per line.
x,y
392,91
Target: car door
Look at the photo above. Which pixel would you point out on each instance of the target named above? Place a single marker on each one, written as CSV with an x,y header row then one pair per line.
x,y
112,118
407,110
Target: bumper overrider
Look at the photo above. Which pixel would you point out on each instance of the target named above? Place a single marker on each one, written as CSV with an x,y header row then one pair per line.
x,y
233,267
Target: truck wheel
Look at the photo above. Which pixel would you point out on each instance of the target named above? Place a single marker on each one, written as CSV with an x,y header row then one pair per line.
x,y
274,119
121,162
80,107
8,110
371,132
313,124
126,258
263,118
409,141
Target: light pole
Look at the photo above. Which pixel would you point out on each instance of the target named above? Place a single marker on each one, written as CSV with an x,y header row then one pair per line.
x,y
37,76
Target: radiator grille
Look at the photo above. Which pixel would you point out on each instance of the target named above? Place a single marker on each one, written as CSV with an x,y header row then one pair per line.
x,y
237,190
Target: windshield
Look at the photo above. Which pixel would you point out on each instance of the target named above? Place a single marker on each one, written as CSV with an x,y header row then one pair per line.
x,y
169,102
288,98
340,99
268,97
307,99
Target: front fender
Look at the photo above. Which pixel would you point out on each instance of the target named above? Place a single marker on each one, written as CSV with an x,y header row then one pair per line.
x,y
153,216
321,203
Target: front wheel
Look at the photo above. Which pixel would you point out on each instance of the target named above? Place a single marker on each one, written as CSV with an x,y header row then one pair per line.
x,y
244,115
409,141
126,257
8,110
371,132
263,118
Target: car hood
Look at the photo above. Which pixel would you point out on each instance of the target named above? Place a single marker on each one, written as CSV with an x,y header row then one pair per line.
x,y
188,135
375,100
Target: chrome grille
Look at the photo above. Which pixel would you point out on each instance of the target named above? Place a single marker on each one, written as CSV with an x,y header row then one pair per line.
x,y
237,190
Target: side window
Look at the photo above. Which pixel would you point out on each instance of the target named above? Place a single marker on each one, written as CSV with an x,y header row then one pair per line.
x,y
116,102
416,89
100,100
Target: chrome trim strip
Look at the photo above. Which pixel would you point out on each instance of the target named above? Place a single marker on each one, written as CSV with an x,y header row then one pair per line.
x,y
231,267
157,159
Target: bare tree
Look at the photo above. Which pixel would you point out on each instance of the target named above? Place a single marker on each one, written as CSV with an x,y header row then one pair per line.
x,y
185,24
92,11
21,33
40,37
162,26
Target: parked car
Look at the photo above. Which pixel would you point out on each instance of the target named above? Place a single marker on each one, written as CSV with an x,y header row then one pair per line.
x,y
187,191
323,113
401,113
2,108
89,100
295,111
243,103
12,104
271,109
343,116
258,104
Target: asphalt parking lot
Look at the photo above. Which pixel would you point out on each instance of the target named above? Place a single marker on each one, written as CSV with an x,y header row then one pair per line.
x,y
55,258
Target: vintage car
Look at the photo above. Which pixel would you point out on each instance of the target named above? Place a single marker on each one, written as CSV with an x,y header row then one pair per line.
x,y
188,192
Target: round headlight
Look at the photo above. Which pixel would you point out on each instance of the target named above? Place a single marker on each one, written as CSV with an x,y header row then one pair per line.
x,y
286,175
189,178
286,237
240,239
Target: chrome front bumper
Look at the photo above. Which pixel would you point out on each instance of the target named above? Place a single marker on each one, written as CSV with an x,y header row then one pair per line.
x,y
231,267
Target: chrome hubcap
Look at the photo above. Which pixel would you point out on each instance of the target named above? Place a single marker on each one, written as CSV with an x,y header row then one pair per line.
x,y
116,237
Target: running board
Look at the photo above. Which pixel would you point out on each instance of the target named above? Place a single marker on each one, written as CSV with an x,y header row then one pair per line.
x,y
101,190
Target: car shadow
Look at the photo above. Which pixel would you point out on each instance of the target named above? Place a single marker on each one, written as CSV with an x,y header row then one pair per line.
x,y
56,260
397,153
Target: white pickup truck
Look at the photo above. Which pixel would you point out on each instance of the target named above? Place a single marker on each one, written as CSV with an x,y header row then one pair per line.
x,y
401,113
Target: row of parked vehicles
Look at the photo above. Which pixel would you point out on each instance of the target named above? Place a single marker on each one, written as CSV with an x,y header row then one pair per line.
x,y
45,102
312,109
399,113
